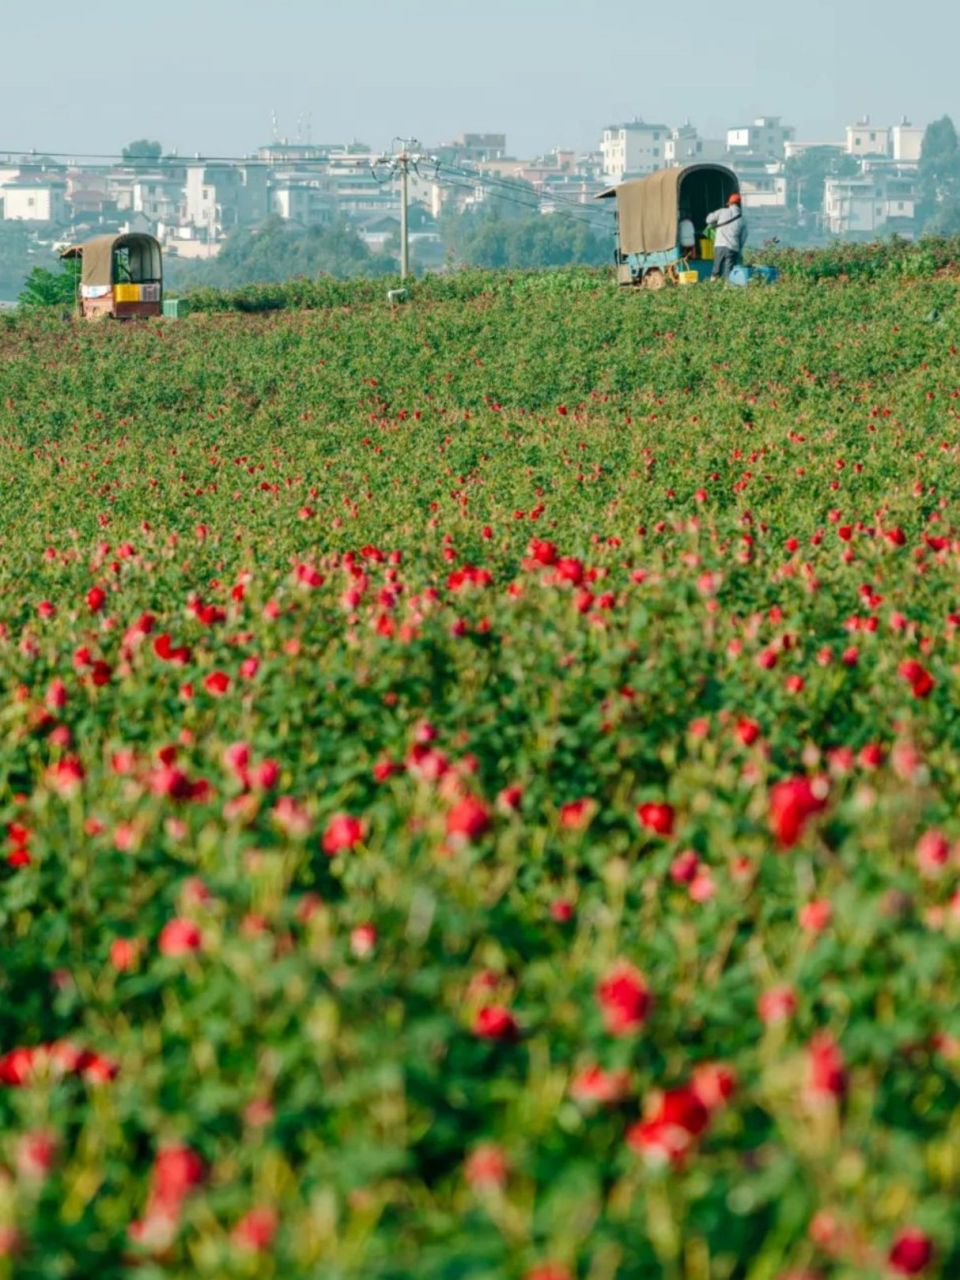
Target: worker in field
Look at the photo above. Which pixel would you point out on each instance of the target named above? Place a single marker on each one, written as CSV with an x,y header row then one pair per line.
x,y
731,229
688,235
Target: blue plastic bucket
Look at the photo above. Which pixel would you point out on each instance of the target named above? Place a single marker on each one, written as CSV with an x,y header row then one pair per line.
x,y
769,275
740,276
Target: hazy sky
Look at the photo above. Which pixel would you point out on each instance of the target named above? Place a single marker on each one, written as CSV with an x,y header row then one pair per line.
x,y
205,75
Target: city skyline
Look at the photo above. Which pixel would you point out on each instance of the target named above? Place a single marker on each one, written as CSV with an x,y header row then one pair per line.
x,y
202,80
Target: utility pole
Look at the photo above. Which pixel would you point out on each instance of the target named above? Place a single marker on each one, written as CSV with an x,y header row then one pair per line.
x,y
404,219
408,156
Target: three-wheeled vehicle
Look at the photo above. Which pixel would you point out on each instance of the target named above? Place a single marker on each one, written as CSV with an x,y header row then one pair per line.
x,y
648,251
121,276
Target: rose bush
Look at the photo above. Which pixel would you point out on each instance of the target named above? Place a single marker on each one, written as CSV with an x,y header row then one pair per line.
x,y
479,787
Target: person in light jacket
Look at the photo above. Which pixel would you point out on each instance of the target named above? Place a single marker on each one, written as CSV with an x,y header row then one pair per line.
x,y
688,235
731,237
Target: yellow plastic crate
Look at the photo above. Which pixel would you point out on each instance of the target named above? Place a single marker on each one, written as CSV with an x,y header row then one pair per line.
x,y
687,277
126,293
706,250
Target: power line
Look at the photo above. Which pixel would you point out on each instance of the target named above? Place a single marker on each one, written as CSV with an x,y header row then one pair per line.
x,y
444,173
518,184
173,160
595,222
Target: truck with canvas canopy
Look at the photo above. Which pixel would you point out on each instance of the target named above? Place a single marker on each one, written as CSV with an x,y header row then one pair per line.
x,y
649,210
121,276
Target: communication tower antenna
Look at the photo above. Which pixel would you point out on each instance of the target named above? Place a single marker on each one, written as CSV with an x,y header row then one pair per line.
x,y
275,124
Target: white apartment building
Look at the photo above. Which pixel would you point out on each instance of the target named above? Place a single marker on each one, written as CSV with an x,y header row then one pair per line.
x,y
766,136
219,197
906,143
40,200
765,191
685,146
866,139
633,150
158,197
304,203
862,206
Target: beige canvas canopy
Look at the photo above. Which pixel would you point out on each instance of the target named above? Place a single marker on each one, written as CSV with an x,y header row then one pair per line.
x,y
648,209
97,256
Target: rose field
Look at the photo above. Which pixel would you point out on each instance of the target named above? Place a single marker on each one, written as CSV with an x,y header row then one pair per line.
x,y
479,786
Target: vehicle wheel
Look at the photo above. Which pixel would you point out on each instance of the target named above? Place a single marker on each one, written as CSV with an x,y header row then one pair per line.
x,y
654,279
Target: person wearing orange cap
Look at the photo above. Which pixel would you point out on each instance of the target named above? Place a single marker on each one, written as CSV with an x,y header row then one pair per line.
x,y
731,237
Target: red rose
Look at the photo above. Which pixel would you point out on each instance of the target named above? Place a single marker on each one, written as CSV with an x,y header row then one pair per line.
x,y
658,818
576,814
179,937
594,1085
176,1171
468,820
343,832
826,1072
917,676
256,1229
911,1252
747,731
624,998
486,1166
495,1022
682,1107
217,683
792,804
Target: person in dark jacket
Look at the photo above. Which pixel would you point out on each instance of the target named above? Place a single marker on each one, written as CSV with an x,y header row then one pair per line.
x,y
731,237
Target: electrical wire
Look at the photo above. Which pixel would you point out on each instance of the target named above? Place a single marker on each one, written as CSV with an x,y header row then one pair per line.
x,y
516,184
509,190
594,223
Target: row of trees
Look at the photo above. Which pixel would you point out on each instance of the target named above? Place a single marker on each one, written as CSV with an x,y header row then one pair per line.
x,y
275,252
484,238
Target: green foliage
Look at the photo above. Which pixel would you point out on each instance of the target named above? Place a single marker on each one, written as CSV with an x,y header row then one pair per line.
x,y
561,550
276,252
808,172
939,177
45,288
18,256
880,260
490,239
142,152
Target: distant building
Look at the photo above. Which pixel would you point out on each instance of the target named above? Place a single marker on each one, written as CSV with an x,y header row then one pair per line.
x,y
358,192
159,196
303,203
878,199
219,197
293,153
765,191
794,149
685,146
470,148
633,150
767,136
37,200
378,232
866,139
906,143
482,146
